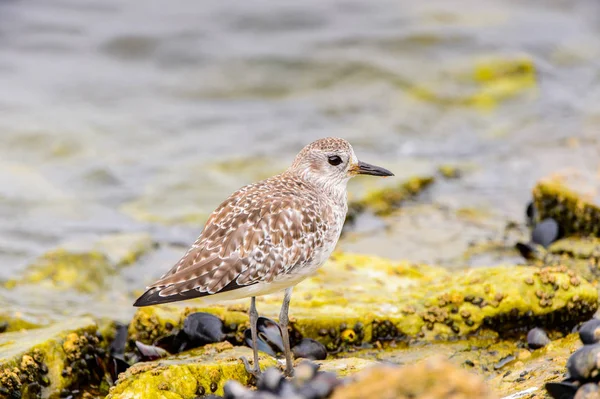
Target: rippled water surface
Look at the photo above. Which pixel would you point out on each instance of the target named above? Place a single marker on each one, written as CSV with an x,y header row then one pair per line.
x,y
141,116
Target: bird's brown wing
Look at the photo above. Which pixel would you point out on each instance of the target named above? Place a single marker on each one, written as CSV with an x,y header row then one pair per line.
x,y
248,239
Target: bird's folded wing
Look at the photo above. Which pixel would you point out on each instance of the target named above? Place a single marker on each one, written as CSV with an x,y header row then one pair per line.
x,y
240,247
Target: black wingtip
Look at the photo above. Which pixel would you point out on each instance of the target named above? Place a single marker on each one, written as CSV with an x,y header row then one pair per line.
x,y
150,297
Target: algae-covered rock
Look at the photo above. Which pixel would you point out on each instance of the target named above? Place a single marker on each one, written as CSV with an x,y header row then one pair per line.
x,y
434,378
84,265
481,83
188,375
383,201
579,254
357,299
570,198
50,359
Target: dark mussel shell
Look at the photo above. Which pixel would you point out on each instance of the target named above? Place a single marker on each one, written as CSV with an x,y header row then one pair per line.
x,y
269,336
117,346
537,338
582,365
174,343
529,250
150,352
589,332
561,390
203,328
546,232
310,349
531,214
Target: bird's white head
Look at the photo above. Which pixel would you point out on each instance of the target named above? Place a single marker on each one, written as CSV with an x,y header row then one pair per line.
x,y
330,162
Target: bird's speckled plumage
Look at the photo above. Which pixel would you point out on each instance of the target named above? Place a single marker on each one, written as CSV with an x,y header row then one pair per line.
x,y
266,236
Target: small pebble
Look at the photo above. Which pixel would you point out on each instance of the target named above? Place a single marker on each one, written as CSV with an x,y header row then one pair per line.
x,y
589,332
537,338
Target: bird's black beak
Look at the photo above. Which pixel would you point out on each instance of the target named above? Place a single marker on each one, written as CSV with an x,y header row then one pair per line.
x,y
367,169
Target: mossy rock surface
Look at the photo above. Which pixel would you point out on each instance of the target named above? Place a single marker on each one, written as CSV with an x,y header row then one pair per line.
x,y
355,299
570,198
84,265
48,359
187,375
384,200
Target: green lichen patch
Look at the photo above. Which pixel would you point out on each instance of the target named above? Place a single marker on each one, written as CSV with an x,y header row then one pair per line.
x,y
84,265
51,358
357,299
195,373
571,199
383,201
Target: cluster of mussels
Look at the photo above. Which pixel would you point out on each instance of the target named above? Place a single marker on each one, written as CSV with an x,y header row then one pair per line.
x,y
200,329
308,383
583,367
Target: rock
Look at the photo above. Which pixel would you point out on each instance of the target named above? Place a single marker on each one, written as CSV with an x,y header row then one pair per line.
x,y
55,357
481,83
433,378
187,375
570,198
84,265
364,299
537,338
589,332
385,200
579,254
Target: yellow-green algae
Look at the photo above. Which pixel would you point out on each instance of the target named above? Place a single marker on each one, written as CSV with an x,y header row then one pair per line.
x,y
355,299
579,254
569,199
483,84
47,356
187,375
84,266
383,201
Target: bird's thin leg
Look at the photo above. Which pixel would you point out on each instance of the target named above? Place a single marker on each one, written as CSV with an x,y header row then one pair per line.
x,y
283,323
253,313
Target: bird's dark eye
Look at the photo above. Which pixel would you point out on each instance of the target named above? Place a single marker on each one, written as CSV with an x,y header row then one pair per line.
x,y
334,160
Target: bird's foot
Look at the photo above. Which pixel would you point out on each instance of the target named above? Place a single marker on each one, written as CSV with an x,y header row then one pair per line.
x,y
289,372
255,371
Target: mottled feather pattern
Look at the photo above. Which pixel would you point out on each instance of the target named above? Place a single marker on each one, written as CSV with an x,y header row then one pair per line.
x,y
260,233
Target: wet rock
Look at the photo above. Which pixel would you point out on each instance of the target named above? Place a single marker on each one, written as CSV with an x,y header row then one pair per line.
x,y
565,197
411,301
433,378
537,338
385,200
84,265
310,349
546,232
589,332
583,365
588,391
204,369
56,358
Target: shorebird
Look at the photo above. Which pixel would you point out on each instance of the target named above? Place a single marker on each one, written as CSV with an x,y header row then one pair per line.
x,y
268,236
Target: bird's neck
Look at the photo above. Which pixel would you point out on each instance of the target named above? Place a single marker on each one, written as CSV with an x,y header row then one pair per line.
x,y
333,190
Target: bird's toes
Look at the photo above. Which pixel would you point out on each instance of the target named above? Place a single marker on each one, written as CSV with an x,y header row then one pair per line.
x,y
255,371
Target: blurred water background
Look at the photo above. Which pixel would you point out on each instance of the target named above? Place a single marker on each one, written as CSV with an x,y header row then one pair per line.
x,y
142,116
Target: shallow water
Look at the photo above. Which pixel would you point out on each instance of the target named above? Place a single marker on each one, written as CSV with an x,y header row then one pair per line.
x,y
122,117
